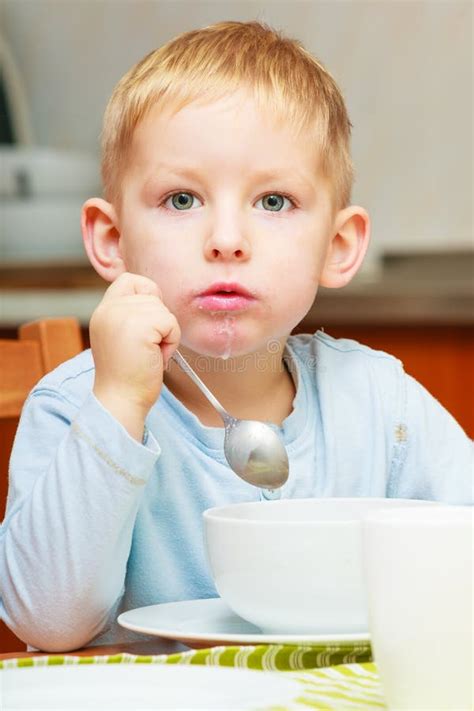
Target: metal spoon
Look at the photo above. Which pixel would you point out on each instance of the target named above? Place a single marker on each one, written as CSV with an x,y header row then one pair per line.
x,y
253,450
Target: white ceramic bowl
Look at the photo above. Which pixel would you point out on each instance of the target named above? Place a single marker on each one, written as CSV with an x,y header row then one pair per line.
x,y
294,566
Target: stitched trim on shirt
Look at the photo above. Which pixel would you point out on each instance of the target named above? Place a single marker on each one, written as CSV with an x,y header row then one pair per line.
x,y
103,455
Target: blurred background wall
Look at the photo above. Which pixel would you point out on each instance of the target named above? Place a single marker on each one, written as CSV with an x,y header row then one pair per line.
x,y
404,66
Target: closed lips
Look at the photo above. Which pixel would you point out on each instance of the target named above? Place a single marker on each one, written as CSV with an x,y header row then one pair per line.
x,y
226,290
225,297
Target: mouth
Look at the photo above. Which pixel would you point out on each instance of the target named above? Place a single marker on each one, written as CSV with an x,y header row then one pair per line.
x,y
225,297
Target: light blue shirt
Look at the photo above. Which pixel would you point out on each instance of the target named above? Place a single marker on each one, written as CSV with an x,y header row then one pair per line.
x,y
98,523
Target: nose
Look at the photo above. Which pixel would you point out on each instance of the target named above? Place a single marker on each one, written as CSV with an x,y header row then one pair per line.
x,y
226,239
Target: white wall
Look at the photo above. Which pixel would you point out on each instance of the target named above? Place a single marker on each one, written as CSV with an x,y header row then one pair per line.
x,y
405,68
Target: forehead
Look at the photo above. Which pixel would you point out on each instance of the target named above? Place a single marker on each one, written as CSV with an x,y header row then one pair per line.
x,y
232,131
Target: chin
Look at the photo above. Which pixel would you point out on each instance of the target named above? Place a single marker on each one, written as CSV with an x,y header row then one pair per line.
x,y
230,342
217,350
235,336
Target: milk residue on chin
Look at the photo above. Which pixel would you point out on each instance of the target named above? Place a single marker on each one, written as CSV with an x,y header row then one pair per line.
x,y
227,329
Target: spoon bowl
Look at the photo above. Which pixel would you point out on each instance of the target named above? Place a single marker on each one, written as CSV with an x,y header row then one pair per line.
x,y
253,449
256,453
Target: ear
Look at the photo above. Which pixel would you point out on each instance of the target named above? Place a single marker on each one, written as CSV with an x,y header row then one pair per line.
x,y
347,247
102,238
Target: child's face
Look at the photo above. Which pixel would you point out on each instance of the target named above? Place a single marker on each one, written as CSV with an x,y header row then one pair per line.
x,y
221,164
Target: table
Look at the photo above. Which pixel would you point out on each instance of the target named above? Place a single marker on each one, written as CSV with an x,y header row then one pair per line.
x,y
319,679
147,647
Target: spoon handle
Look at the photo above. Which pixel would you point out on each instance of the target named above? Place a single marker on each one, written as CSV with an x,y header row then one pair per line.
x,y
184,365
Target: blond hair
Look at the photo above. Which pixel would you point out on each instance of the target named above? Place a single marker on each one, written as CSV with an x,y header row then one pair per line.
x,y
206,64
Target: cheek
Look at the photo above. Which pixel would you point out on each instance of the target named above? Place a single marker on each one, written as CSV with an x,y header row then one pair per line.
x,y
298,269
150,252
300,248
296,298
166,274
295,287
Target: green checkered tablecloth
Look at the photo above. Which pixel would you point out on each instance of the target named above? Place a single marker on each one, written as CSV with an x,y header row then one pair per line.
x,y
331,677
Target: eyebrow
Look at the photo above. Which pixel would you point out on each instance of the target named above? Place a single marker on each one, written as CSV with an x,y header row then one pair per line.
x,y
263,176
187,173
259,176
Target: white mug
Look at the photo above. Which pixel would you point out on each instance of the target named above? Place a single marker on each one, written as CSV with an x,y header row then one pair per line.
x,y
419,575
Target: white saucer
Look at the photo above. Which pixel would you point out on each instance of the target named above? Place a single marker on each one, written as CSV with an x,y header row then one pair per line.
x,y
210,622
137,687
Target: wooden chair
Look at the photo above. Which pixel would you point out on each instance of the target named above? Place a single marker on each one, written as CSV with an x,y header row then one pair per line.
x,y
40,347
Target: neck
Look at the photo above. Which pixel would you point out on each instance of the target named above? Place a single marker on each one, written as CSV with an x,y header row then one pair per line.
x,y
256,386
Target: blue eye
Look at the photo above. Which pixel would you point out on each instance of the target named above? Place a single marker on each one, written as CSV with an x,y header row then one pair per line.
x,y
274,202
182,201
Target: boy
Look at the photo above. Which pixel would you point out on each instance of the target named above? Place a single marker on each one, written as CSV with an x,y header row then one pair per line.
x,y
227,182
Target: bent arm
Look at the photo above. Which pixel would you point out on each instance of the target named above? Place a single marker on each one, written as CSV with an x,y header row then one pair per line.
x,y
76,481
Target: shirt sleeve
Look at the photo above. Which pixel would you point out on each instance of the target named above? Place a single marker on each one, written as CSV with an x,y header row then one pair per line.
x,y
75,484
434,457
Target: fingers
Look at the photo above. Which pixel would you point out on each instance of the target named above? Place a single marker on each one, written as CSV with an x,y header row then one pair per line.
x,y
127,284
131,302
170,335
